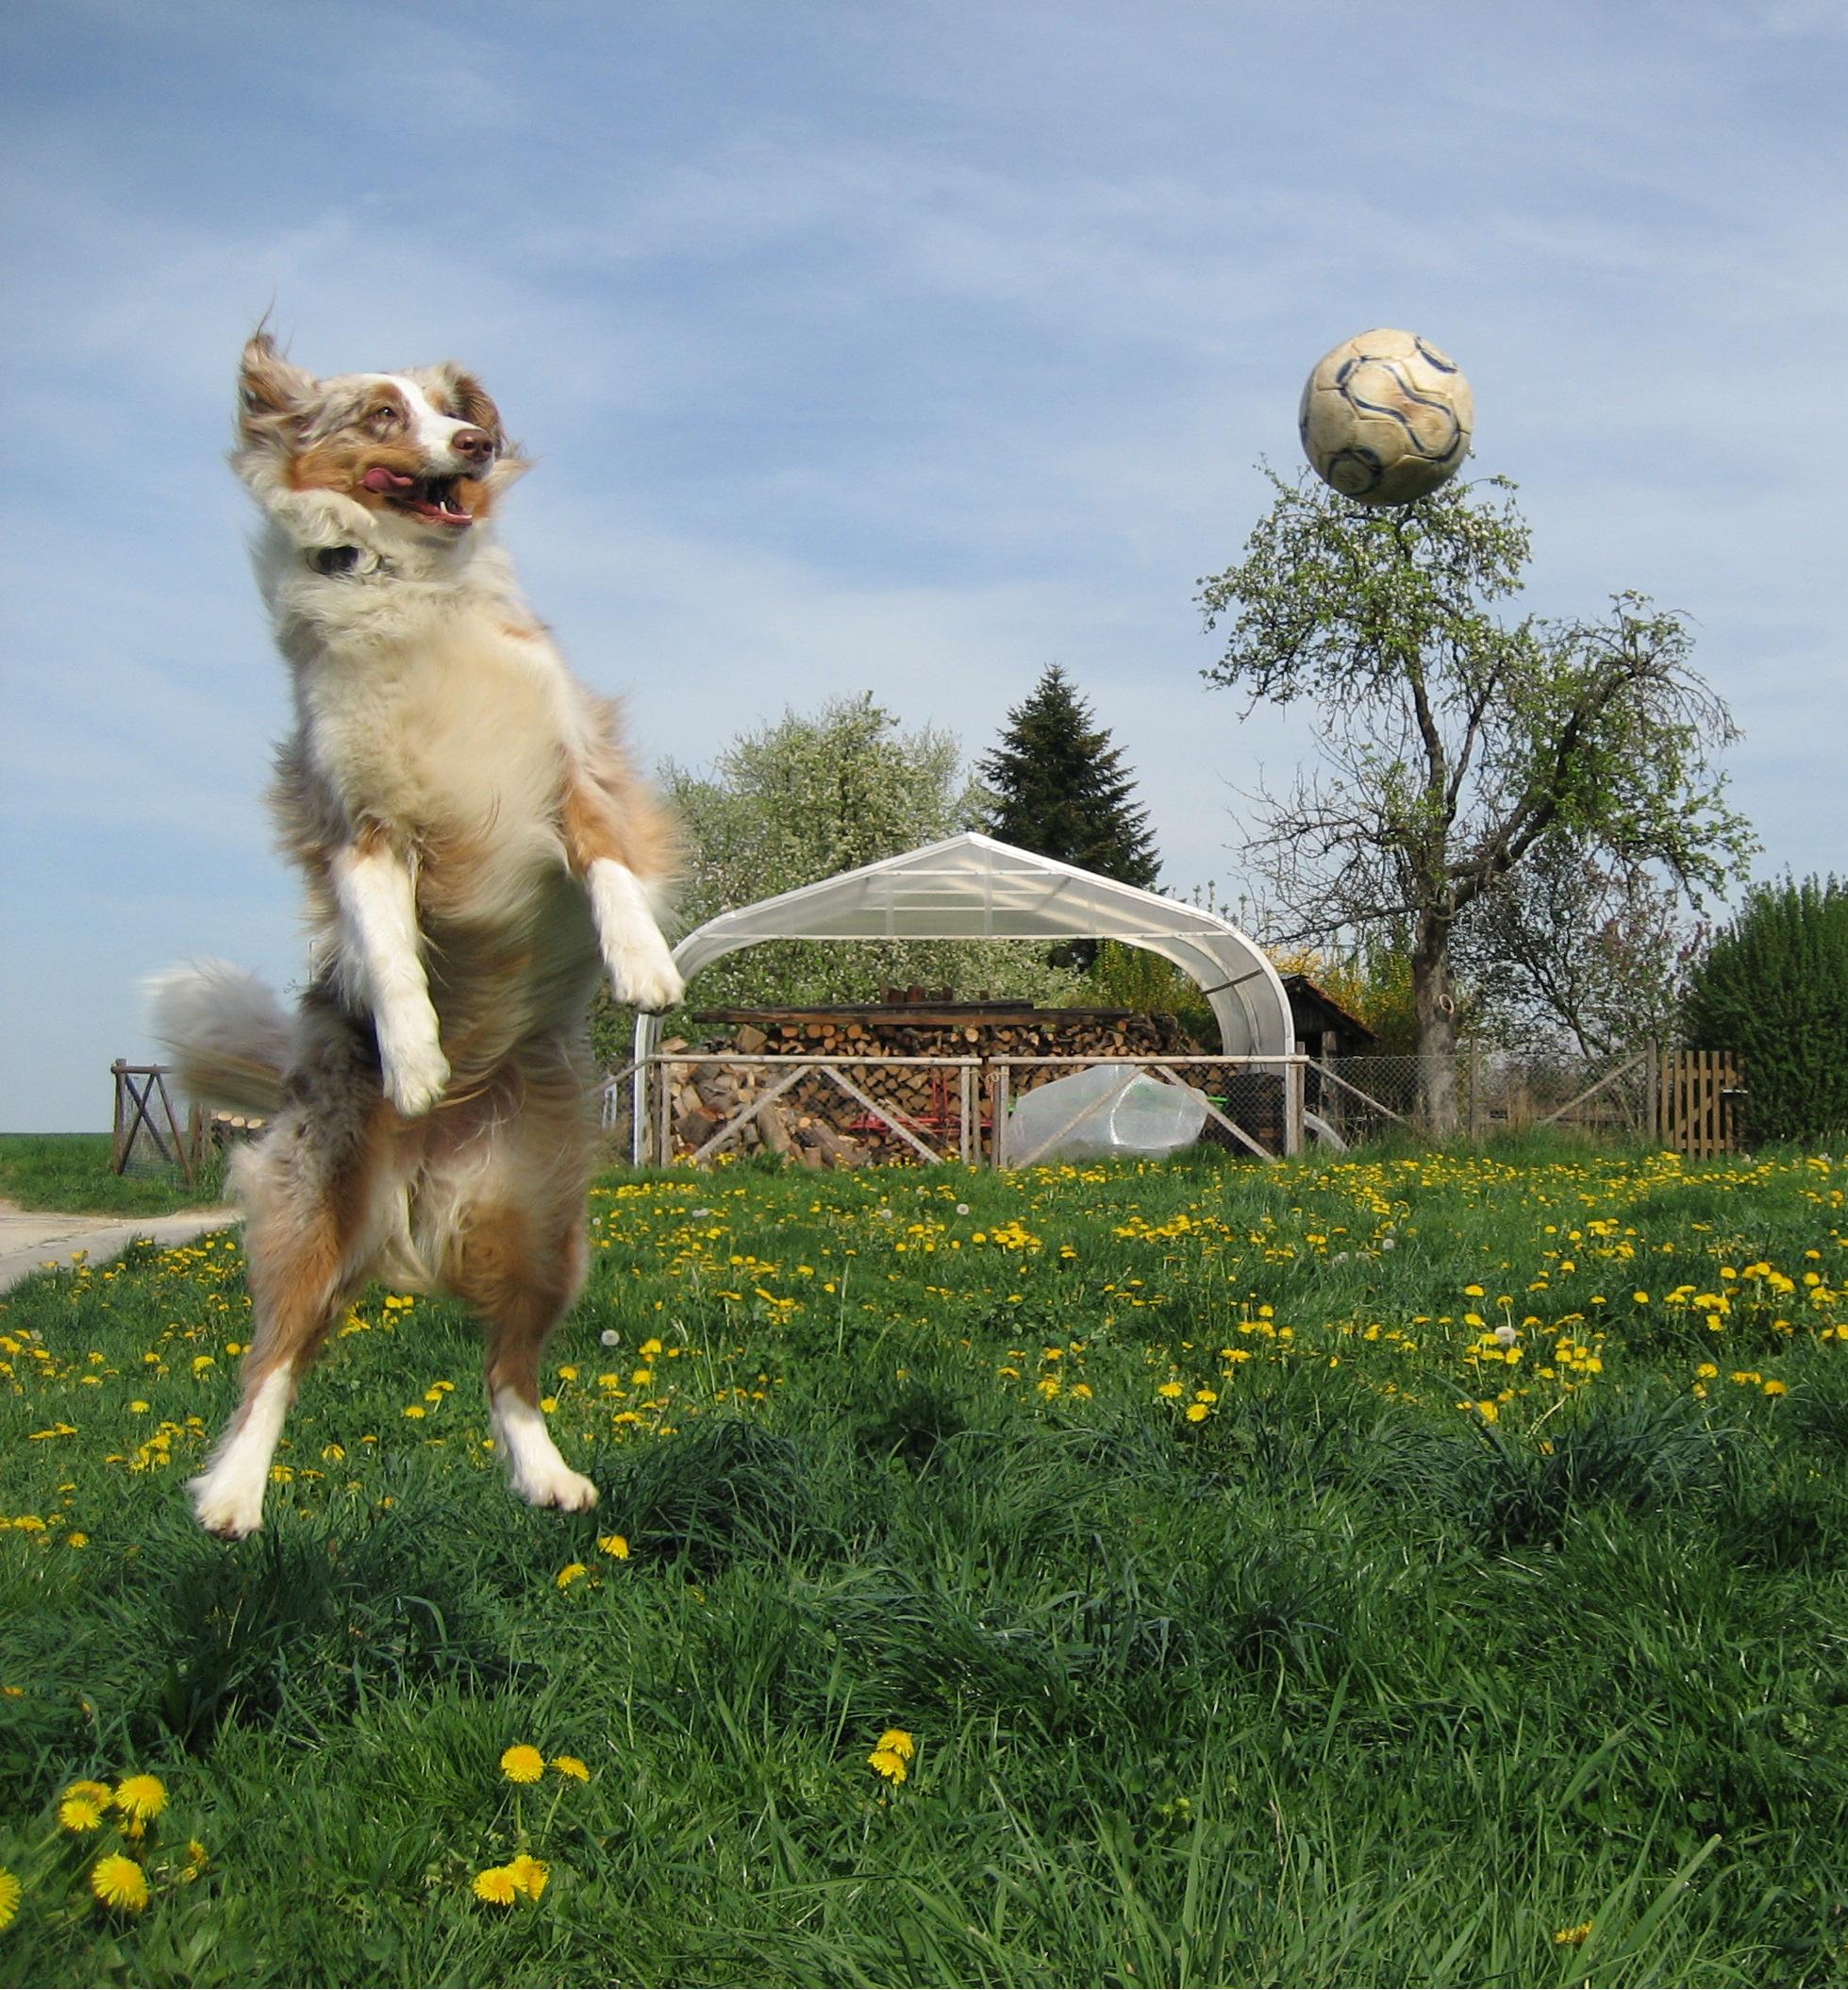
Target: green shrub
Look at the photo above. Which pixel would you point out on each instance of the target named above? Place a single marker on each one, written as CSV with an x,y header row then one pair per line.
x,y
1774,987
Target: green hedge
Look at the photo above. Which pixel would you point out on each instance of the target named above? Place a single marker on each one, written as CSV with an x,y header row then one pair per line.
x,y
1774,986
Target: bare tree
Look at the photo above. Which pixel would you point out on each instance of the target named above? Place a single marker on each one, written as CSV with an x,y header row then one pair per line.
x,y
1570,946
1451,745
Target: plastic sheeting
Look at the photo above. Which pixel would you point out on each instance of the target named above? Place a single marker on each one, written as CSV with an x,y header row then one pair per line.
x,y
971,887
1102,1113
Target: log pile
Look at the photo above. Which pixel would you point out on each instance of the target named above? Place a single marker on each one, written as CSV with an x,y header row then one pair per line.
x,y
802,1124
819,1124
227,1128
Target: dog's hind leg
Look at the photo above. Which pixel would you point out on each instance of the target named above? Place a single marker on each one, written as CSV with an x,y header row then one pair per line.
x,y
518,1255
311,1191
522,1277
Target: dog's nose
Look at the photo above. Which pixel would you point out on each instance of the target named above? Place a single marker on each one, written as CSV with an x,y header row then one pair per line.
x,y
475,443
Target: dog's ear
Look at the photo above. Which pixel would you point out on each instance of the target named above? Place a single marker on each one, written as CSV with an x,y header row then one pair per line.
x,y
273,397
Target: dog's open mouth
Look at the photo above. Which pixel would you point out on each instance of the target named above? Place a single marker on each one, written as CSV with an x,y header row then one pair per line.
x,y
435,498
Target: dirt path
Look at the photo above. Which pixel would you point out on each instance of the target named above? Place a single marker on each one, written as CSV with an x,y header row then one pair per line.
x,y
41,1240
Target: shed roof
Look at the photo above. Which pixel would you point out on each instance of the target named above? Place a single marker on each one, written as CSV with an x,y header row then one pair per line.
x,y
971,887
1315,1008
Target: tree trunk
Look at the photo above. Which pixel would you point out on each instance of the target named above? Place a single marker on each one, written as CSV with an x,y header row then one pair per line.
x,y
1434,1003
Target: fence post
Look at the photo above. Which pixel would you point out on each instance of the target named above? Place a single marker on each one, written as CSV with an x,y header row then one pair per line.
x,y
118,1067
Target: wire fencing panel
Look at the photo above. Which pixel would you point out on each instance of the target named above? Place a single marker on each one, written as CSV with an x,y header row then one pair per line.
x,y
848,1106
1497,1093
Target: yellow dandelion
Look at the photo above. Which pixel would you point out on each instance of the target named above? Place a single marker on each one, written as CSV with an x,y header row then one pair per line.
x,y
570,1766
1197,1413
1575,1937
11,1891
142,1798
496,1885
118,1881
890,1765
1171,1390
897,1742
80,1814
523,1764
198,1860
616,1545
570,1573
99,1794
529,1873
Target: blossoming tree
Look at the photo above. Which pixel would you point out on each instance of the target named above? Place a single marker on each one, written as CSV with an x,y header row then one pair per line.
x,y
1452,745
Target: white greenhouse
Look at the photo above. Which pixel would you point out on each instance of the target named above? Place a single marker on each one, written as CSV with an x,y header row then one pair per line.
x,y
971,887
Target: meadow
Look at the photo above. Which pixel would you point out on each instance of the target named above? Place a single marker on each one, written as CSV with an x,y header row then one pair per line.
x,y
1412,1568
70,1172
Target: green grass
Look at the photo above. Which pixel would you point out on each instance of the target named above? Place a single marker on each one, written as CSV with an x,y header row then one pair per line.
x,y
1346,1678
70,1172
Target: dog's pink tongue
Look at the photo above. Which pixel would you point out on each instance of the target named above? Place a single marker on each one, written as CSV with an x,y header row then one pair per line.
x,y
379,478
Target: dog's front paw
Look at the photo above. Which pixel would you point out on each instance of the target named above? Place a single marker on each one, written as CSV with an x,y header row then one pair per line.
x,y
415,1077
641,972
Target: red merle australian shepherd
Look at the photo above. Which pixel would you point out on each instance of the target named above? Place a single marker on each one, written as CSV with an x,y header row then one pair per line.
x,y
476,847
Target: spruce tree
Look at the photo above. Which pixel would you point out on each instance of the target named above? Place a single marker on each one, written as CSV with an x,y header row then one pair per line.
x,y
1061,789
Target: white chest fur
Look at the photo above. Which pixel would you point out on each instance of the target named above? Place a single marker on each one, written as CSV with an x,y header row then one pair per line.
x,y
440,712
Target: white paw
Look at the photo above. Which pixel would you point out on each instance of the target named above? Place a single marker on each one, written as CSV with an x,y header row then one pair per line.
x,y
227,1504
556,1486
642,971
415,1075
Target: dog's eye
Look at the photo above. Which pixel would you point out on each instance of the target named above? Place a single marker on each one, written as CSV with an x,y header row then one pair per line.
x,y
384,419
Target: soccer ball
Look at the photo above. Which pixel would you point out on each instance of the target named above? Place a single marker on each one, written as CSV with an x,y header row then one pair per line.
x,y
1386,417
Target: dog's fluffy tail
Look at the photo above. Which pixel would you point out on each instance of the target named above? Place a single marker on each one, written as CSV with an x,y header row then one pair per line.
x,y
231,1039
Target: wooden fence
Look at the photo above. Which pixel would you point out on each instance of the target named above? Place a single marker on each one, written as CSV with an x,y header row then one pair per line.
x,y
146,1123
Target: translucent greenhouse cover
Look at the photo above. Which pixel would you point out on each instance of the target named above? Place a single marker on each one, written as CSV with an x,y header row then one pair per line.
x,y
971,887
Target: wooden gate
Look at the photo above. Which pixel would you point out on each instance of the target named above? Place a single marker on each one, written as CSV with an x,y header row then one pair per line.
x,y
1697,1095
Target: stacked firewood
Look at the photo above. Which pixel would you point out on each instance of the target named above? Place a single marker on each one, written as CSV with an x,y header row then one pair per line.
x,y
798,1125
821,1125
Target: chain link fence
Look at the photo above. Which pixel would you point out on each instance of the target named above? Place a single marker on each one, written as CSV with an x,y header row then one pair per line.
x,y
1496,1093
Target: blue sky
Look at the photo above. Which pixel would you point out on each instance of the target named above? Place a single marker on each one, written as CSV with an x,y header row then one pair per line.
x,y
902,347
